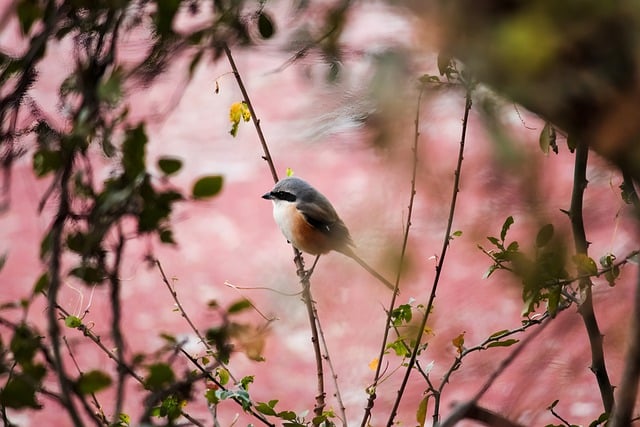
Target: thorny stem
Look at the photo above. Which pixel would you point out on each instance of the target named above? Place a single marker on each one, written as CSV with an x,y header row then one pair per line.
x,y
439,266
586,308
376,379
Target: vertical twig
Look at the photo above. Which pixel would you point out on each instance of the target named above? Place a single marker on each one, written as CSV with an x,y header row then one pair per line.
x,y
439,266
586,308
254,117
327,357
376,378
318,409
298,260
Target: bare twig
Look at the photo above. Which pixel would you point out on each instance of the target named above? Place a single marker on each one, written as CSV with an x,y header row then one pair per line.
x,y
461,411
318,408
213,379
334,376
100,417
254,117
385,339
439,266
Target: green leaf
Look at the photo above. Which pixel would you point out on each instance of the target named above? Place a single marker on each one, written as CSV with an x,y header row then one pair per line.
x,y
265,25
88,274
133,152
28,12
490,271
166,236
92,382
169,165
544,235
46,161
164,16
513,247
207,186
493,240
72,321
239,306
499,333
399,347
160,375
223,376
585,264
287,415
553,300
505,343
110,90
42,284
265,409
24,345
505,227
19,392
245,381
547,139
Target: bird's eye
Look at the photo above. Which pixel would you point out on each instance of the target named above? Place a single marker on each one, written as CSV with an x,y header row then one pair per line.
x,y
285,195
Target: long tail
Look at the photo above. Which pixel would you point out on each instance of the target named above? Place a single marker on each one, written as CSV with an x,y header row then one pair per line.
x,y
351,254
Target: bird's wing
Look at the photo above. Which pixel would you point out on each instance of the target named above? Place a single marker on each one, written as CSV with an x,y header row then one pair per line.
x,y
325,219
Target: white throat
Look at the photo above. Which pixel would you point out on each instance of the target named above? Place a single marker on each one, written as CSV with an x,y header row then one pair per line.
x,y
282,216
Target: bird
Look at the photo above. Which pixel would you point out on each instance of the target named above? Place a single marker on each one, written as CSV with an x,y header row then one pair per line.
x,y
311,224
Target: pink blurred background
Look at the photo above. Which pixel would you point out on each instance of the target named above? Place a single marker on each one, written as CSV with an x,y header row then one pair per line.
x,y
311,127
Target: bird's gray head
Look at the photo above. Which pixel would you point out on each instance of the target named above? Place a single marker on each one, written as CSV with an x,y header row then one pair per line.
x,y
292,189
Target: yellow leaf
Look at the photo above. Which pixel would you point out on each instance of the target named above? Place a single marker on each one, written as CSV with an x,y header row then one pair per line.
x,y
458,342
373,365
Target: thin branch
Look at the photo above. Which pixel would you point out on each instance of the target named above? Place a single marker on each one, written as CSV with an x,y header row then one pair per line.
x,y
586,308
334,376
183,313
443,253
318,408
298,260
385,339
254,117
461,411
100,418
213,379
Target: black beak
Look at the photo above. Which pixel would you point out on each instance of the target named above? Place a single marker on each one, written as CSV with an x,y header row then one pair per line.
x,y
267,196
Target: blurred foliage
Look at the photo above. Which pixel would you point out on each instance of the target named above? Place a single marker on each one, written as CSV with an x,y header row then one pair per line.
x,y
572,62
